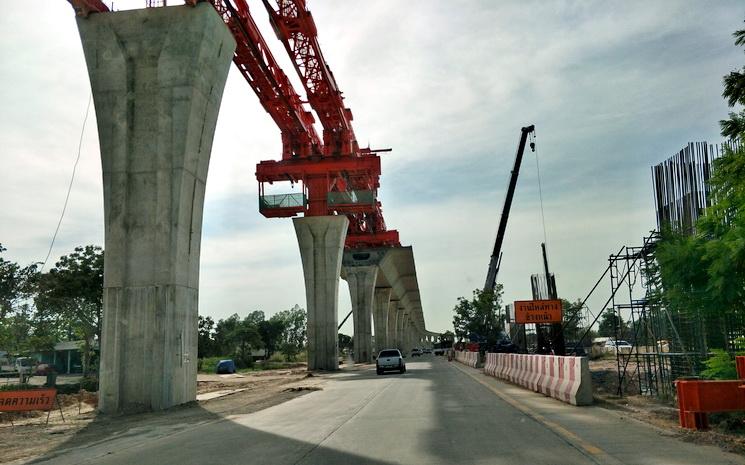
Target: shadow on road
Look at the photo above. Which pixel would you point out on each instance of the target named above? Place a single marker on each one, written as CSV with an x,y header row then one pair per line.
x,y
192,434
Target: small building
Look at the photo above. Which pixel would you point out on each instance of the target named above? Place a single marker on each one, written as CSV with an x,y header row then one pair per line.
x,y
66,357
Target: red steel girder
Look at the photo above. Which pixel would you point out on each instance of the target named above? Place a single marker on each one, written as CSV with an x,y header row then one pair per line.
x,y
85,7
377,239
275,92
295,28
295,170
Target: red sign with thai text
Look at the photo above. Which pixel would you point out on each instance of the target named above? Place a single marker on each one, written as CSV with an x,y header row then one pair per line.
x,y
26,400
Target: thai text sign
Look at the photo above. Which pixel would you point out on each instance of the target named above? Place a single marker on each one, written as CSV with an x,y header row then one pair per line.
x,y
537,311
32,399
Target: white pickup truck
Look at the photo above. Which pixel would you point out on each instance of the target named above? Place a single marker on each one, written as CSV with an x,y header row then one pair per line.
x,y
390,359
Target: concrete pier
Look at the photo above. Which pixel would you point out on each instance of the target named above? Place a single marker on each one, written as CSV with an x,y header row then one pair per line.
x,y
321,241
157,77
361,280
390,337
380,317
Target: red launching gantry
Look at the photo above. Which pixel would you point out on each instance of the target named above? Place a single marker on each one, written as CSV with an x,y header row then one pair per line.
x,y
338,177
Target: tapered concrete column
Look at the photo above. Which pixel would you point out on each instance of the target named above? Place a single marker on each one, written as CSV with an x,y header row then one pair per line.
x,y
390,337
380,317
321,241
400,328
361,280
157,77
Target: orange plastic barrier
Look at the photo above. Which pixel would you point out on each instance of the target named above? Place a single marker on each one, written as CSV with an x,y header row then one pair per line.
x,y
696,399
740,363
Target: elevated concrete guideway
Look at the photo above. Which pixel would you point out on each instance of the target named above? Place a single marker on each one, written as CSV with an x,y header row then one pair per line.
x,y
383,282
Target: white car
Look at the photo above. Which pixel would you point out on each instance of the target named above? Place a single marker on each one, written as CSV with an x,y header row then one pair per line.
x,y
390,359
622,347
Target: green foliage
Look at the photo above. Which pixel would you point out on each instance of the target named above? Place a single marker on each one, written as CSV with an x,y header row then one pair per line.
x,y
285,332
206,345
16,317
271,332
610,323
209,364
70,297
15,387
720,365
480,316
734,92
345,342
294,334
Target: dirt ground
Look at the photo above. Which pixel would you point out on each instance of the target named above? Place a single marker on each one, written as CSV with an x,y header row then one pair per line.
x,y
29,437
662,414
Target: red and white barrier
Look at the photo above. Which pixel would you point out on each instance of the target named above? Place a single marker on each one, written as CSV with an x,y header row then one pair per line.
x,y
564,378
467,358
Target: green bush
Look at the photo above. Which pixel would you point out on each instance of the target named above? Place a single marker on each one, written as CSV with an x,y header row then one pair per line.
x,y
721,365
209,364
15,387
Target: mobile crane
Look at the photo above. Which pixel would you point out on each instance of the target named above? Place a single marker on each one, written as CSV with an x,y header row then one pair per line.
x,y
496,256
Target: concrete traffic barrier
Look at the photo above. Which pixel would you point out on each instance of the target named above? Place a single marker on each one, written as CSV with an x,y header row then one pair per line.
x,y
564,378
467,358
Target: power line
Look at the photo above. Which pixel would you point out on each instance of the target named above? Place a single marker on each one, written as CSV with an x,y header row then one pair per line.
x,y
69,187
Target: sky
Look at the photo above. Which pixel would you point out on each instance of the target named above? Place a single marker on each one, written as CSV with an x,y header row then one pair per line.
x,y
612,88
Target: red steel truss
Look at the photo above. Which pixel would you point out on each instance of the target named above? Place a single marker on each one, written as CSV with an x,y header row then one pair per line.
x,y
337,176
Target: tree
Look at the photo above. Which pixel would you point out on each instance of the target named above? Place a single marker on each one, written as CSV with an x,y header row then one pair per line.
x,y
294,334
71,296
480,318
734,92
572,319
238,338
446,339
271,332
345,342
205,337
610,322
16,284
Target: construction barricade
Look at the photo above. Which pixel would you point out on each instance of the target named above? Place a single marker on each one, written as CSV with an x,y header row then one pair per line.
x,y
698,398
467,358
564,378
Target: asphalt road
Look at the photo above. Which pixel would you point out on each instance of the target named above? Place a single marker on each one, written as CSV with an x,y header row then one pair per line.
x,y
436,413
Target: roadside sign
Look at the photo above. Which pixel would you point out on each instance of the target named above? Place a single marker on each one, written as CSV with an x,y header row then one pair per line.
x,y
538,311
26,400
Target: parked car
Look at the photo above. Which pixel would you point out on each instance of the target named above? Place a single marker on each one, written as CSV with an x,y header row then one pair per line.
x,y
427,351
25,365
225,367
416,352
617,346
390,359
439,352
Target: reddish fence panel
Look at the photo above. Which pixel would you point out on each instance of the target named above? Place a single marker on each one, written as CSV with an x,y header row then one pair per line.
x,y
26,400
696,399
